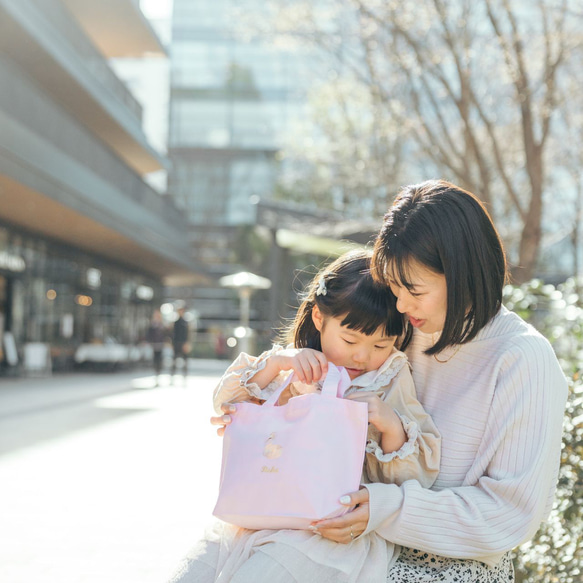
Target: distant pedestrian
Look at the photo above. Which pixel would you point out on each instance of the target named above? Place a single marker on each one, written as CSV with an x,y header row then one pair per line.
x,y
220,345
156,336
180,344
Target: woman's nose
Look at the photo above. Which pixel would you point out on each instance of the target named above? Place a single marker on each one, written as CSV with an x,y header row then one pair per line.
x,y
401,303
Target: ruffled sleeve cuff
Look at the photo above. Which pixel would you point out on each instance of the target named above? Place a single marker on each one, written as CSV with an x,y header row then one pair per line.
x,y
235,385
252,368
410,447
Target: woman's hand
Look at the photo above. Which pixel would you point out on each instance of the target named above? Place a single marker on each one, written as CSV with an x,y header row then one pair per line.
x,y
345,529
228,410
384,418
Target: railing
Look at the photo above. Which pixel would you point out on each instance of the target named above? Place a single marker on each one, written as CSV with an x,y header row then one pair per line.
x,y
21,100
93,61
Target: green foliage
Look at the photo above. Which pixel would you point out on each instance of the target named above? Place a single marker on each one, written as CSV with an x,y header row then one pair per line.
x,y
555,554
347,155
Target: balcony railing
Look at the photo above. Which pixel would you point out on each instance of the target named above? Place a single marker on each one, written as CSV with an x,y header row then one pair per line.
x,y
22,101
67,29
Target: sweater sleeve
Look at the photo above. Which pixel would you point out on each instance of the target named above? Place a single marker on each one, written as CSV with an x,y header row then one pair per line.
x,y
418,458
510,487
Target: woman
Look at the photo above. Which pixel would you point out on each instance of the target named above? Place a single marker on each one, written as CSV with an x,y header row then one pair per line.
x,y
491,383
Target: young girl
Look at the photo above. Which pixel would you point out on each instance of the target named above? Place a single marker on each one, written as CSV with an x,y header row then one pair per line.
x,y
351,321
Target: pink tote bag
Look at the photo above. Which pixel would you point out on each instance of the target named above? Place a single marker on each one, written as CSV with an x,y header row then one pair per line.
x,y
286,466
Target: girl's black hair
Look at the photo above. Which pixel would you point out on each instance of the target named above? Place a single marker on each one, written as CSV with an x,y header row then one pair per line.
x,y
448,230
352,293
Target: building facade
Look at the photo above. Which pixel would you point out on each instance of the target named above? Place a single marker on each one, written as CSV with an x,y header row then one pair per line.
x,y
231,103
86,245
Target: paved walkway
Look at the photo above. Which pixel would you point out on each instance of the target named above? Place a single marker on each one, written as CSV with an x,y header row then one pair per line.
x,y
104,478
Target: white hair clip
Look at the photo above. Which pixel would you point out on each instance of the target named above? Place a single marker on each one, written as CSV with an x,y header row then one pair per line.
x,y
321,291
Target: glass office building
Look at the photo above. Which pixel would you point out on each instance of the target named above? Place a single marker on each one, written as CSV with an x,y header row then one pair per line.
x,y
231,102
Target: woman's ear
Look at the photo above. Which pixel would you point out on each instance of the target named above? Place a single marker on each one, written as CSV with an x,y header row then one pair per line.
x,y
317,318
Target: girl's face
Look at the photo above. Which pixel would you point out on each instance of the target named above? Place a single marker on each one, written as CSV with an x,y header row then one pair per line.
x,y
353,350
425,304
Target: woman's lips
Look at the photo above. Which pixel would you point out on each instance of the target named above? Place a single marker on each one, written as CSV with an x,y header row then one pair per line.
x,y
415,322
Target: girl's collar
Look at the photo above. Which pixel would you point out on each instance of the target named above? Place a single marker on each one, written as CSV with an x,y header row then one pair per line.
x,y
368,378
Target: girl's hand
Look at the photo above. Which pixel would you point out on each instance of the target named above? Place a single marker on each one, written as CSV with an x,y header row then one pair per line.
x,y
384,418
380,414
345,529
224,420
309,365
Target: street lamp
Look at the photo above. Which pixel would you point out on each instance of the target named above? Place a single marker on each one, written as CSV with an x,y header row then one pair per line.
x,y
245,283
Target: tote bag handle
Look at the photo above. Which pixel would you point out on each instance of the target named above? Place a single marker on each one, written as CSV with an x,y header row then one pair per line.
x,y
335,384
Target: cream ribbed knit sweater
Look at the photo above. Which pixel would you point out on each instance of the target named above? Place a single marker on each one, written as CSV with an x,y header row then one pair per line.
x,y
499,405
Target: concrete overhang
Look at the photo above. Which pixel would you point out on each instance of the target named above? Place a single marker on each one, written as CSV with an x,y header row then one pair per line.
x,y
308,230
26,208
118,28
46,191
88,90
303,242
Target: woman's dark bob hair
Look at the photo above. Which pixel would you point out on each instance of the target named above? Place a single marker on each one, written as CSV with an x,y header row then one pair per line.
x,y
350,293
448,230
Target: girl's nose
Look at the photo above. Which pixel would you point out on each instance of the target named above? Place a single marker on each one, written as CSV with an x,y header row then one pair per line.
x,y
360,355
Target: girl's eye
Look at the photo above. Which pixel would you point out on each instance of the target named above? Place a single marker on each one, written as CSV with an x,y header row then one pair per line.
x,y
348,341
381,347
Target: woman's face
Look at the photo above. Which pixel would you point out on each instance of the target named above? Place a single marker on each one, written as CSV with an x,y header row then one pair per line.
x,y
425,303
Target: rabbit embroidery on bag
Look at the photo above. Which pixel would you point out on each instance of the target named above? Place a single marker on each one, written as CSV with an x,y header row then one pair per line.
x,y
271,450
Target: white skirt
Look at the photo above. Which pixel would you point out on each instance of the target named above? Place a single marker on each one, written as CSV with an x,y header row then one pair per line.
x,y
367,559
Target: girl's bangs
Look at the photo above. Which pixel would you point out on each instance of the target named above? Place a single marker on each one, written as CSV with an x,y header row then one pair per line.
x,y
367,313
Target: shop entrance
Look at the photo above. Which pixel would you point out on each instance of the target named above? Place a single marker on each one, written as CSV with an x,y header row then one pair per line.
x,y
2,315
7,348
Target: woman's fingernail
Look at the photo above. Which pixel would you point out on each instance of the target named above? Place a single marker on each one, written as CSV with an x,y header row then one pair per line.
x,y
232,408
226,418
345,500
